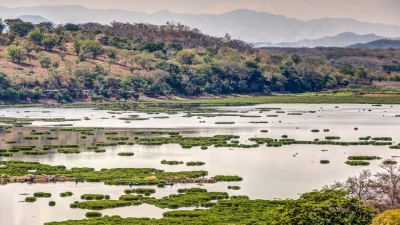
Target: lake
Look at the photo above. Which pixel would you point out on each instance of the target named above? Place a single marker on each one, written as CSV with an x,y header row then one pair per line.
x,y
267,172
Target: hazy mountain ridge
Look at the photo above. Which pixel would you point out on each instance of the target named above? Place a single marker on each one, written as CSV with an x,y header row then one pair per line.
x,y
383,43
33,19
242,24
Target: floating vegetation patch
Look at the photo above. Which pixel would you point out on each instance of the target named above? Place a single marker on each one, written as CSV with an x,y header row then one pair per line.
x,y
42,195
35,152
315,130
68,151
66,194
234,188
389,162
126,154
272,115
94,197
382,138
324,161
100,204
256,122
363,157
224,122
51,138
264,131
332,138
93,214
6,154
52,203
99,150
31,138
195,163
228,178
116,138
171,162
161,117
357,163
30,199
295,114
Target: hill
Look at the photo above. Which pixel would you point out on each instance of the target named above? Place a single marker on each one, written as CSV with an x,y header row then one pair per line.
x,y
340,40
383,43
247,25
120,61
33,19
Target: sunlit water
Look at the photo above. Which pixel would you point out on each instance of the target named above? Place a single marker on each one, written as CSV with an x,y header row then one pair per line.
x,y
268,172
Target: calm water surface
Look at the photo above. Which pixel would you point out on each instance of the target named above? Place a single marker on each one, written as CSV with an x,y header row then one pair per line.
x,y
268,172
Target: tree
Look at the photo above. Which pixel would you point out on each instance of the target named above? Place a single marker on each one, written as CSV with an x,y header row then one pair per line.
x,y
19,27
112,53
93,48
296,58
29,47
36,37
328,206
185,57
15,53
71,27
76,46
44,60
49,41
62,55
389,217
45,27
2,25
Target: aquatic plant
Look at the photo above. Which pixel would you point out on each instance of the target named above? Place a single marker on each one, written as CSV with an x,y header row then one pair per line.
x,y
171,162
93,214
94,197
315,130
30,199
234,187
357,163
363,157
99,150
195,163
52,203
42,195
324,161
68,151
126,154
66,194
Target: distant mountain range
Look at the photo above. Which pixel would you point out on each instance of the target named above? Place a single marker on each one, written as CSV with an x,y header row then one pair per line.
x,y
33,19
340,40
247,25
385,43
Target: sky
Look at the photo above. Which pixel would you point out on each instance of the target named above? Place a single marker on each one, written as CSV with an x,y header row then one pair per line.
x,y
375,11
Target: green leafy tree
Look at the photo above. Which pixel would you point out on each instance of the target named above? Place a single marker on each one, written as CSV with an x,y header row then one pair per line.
x,y
49,41
71,27
76,46
44,60
36,37
389,217
112,53
93,48
45,27
328,206
16,53
20,27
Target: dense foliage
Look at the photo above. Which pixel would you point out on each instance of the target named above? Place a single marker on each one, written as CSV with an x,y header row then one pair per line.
x,y
123,61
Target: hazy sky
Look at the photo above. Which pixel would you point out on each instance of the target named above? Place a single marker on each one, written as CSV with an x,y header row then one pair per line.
x,y
376,11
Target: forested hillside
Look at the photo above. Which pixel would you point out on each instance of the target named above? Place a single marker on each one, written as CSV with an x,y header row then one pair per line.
x,y
121,61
